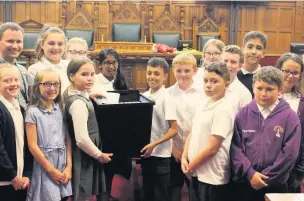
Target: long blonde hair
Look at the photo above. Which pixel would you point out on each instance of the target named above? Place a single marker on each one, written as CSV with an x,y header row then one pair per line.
x,y
44,33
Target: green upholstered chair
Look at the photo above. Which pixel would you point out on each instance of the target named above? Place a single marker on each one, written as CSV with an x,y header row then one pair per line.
x,y
170,39
30,40
202,39
87,35
128,32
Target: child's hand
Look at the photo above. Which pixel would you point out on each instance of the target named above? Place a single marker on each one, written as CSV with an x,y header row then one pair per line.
x,y
67,172
257,181
26,182
147,150
17,183
105,157
57,176
185,165
94,96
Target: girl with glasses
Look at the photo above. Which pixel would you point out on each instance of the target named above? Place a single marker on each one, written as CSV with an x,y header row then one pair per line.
x,y
292,67
48,141
76,48
110,76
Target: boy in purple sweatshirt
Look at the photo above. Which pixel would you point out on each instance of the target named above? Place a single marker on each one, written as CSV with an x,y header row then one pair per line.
x,y
266,140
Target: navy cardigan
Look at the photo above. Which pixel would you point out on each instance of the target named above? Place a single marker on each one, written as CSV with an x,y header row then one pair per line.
x,y
8,158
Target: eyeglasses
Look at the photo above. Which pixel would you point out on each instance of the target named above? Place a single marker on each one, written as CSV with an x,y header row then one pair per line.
x,y
294,74
214,54
109,63
74,52
56,85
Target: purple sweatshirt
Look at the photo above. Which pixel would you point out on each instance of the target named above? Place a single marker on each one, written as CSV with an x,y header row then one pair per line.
x,y
269,146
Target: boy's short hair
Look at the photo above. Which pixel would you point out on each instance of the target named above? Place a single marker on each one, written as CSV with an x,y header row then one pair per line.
x,y
184,58
234,49
159,62
270,75
253,35
220,68
11,26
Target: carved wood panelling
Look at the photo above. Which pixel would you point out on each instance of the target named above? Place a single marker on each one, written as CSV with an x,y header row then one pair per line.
x,y
282,19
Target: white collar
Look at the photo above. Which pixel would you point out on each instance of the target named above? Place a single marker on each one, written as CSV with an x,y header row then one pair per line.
x,y
104,80
49,64
192,88
244,71
10,105
270,108
157,93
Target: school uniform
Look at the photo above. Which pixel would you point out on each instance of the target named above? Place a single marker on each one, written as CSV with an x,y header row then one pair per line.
x,y
266,140
88,175
156,168
102,84
15,158
60,68
246,77
238,95
198,80
187,101
296,102
209,180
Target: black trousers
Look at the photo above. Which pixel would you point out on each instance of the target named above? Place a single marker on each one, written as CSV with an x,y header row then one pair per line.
x,y
156,178
243,191
200,191
177,176
8,193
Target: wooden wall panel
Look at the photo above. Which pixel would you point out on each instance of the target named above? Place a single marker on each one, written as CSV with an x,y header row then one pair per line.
x,y
1,12
282,21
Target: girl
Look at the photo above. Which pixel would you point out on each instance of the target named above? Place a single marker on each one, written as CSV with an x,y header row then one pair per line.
x,y
49,50
48,141
292,67
83,127
110,76
75,48
212,52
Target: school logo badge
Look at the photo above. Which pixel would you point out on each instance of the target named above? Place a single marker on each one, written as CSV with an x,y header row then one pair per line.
x,y
278,130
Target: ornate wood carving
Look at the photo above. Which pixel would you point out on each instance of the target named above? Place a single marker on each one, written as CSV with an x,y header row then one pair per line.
x,y
125,46
126,14
80,21
208,25
31,25
166,23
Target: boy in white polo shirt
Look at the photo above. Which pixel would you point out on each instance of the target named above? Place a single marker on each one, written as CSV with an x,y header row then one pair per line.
x,y
157,154
186,96
237,92
206,152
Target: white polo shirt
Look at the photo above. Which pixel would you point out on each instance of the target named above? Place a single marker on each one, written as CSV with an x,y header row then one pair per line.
x,y
238,94
102,84
163,111
187,102
214,119
60,68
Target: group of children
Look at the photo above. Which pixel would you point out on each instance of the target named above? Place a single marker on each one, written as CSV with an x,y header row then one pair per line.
x,y
206,129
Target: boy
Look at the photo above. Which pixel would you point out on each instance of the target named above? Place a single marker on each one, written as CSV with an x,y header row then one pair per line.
x,y
14,155
266,140
206,152
157,154
187,96
254,45
239,94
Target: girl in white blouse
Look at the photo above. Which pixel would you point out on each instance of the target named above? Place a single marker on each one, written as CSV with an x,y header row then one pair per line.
x,y
49,50
292,67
